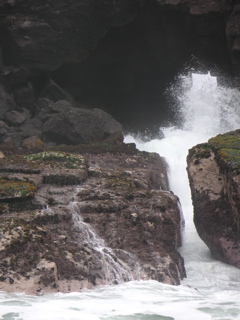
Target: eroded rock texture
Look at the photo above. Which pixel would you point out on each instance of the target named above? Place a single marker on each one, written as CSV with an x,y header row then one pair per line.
x,y
71,221
214,175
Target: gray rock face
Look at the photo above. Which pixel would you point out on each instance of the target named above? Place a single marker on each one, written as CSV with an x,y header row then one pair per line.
x,y
107,221
14,118
76,126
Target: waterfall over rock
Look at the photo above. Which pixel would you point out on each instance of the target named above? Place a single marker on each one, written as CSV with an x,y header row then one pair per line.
x,y
85,221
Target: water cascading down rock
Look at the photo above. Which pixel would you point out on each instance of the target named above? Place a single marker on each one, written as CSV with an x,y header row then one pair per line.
x,y
76,221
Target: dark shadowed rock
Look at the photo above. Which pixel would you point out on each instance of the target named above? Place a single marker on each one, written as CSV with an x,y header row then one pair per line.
x,y
117,55
16,76
6,102
4,129
14,118
31,127
24,96
233,37
52,91
46,35
77,126
214,175
8,133
43,109
61,106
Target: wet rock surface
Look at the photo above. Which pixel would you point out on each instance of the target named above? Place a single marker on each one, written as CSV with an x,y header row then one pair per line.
x,y
214,175
92,218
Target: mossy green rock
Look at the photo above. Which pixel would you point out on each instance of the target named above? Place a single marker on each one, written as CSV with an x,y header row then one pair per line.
x,y
226,148
214,175
11,189
67,160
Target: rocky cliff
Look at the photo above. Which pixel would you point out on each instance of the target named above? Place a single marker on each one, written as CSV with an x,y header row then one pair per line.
x,y
116,55
76,217
66,69
214,175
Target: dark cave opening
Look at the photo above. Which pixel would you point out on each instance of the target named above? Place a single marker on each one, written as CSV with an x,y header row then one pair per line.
x,y
129,72
134,64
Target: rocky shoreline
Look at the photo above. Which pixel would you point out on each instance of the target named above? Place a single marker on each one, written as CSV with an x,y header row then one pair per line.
x,y
78,207
71,221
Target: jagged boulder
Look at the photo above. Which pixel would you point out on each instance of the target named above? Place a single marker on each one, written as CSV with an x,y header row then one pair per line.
x,y
76,126
214,175
94,219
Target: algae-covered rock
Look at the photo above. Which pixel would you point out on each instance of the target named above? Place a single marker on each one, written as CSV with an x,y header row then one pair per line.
x,y
214,175
12,189
33,143
66,160
92,219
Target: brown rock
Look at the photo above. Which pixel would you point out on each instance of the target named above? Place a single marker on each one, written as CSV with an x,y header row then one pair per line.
x,y
114,225
33,143
213,171
1,155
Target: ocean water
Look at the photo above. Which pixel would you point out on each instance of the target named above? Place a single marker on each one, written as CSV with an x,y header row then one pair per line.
x,y
211,289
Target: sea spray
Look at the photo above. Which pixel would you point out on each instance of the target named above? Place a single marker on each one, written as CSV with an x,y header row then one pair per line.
x,y
212,289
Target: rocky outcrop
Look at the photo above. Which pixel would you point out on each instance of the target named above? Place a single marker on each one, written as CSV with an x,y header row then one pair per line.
x,y
75,126
57,122
86,216
214,175
116,55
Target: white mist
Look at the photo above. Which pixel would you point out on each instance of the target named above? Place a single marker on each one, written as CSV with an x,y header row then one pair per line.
x,y
205,110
